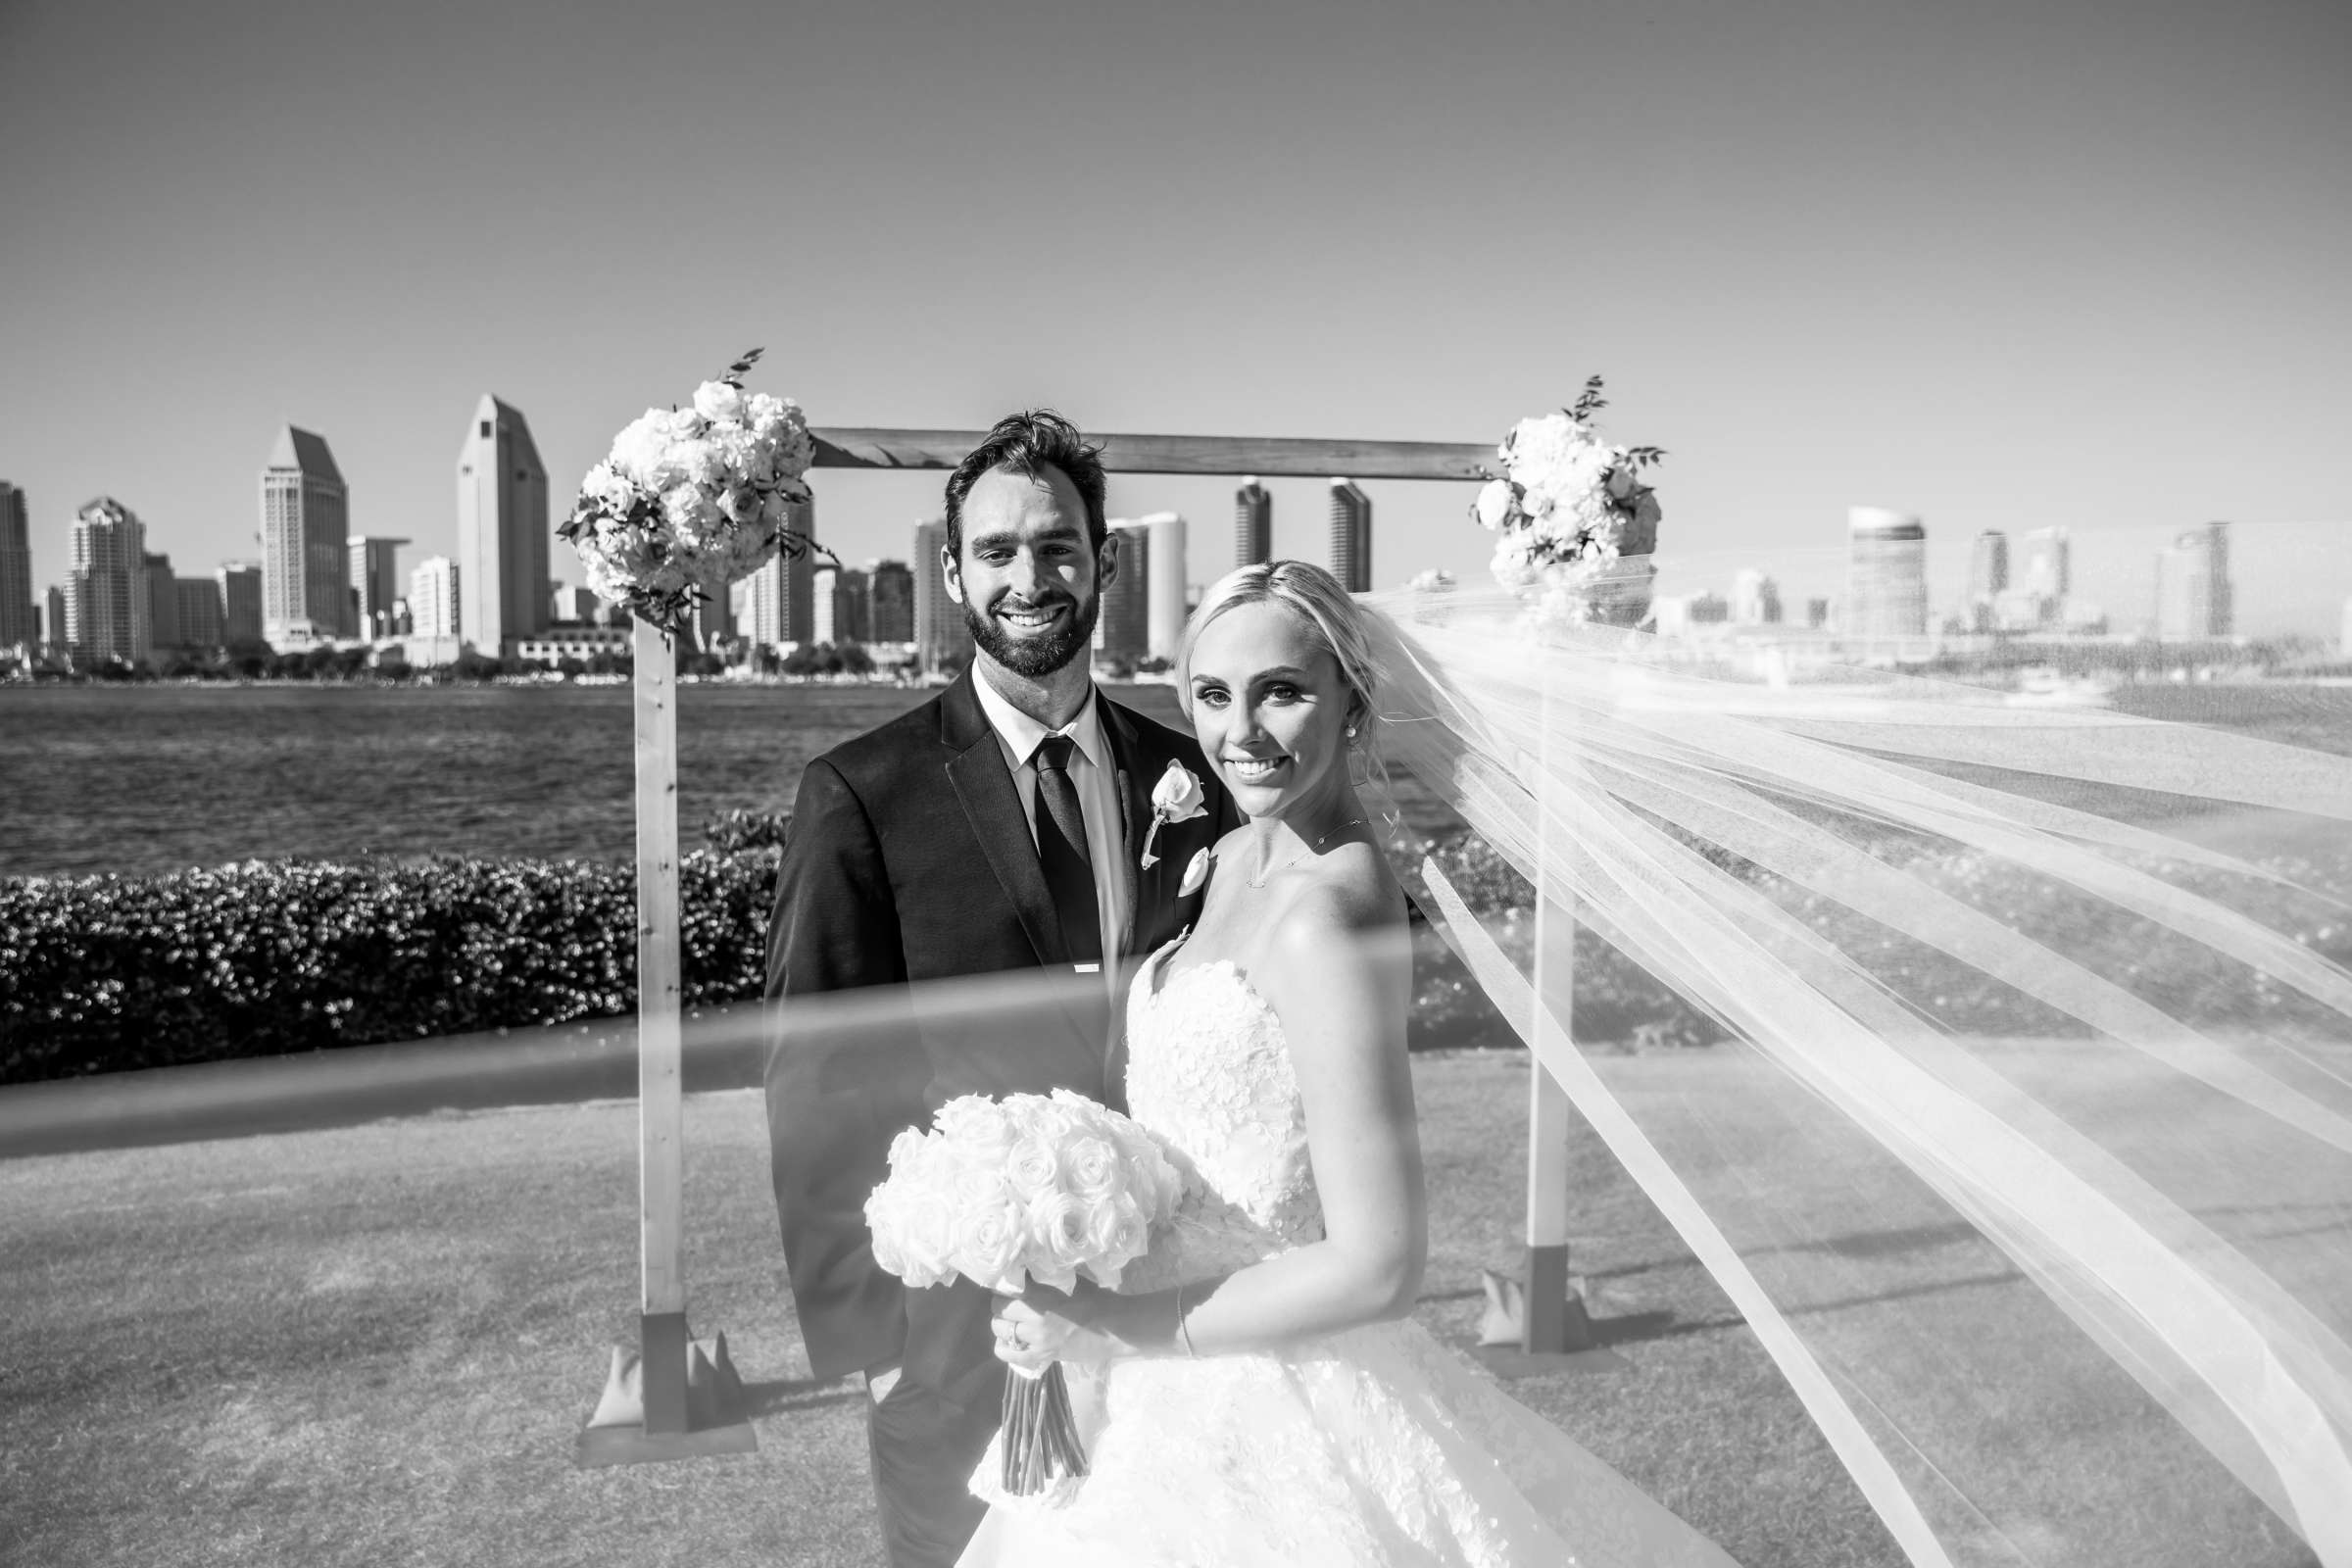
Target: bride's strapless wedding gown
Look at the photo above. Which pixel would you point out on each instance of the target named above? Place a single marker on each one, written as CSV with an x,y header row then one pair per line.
x,y
1373,1445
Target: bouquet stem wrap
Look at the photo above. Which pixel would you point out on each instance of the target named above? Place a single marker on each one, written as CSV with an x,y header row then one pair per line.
x,y
1041,1442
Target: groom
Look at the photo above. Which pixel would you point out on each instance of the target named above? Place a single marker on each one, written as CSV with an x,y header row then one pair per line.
x,y
998,827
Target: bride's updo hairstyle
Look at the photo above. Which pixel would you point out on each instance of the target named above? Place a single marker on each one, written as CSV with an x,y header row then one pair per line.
x,y
1316,598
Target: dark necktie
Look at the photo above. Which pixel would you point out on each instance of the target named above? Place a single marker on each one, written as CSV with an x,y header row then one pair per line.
x,y
1061,850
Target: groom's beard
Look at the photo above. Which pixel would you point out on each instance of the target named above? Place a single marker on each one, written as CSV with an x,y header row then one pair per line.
x,y
1034,657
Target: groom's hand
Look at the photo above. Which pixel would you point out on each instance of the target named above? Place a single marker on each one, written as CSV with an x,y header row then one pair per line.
x,y
880,1380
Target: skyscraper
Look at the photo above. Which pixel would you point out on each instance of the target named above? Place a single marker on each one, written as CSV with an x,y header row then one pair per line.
x,y
1252,524
1350,536
502,529
890,603
306,517
1123,630
1987,578
106,597
201,624
779,601
53,617
1166,543
434,605
1887,576
941,634
15,569
2045,564
841,596
2193,600
375,579
161,592
1755,599
241,616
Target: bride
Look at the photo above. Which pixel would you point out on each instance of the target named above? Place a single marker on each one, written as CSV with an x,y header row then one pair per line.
x,y
1256,1392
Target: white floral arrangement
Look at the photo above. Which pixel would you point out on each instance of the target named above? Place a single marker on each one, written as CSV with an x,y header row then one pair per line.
x,y
1568,508
691,500
1031,1186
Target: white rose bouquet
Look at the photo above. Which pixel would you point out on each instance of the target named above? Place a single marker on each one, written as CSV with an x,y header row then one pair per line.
x,y
1568,508
1031,1186
690,499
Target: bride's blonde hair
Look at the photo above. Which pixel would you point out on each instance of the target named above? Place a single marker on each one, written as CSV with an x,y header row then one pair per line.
x,y
1316,598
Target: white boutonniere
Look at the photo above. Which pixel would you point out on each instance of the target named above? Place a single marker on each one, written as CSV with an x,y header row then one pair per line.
x,y
1176,798
1195,872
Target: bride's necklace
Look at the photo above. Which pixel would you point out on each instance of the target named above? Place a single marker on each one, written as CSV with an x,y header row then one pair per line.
x,y
1259,880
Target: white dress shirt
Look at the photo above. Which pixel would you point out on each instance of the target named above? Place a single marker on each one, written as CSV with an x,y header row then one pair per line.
x,y
1097,779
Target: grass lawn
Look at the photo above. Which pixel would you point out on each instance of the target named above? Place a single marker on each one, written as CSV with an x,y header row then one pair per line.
x,y
377,1344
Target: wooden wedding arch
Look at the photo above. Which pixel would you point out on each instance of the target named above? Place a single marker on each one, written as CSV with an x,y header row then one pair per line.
x,y
675,1399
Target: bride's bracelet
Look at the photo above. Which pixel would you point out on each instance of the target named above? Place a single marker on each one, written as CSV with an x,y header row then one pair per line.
x,y
1186,1334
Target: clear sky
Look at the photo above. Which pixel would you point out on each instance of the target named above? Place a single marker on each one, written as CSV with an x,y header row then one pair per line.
x,y
2002,264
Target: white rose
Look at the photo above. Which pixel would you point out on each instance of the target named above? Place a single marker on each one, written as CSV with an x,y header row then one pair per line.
x,y
716,400
1057,1232
988,1246
690,512
1178,795
1031,1168
1091,1171
1496,504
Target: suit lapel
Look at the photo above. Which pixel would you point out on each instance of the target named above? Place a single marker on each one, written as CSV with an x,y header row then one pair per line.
x,y
1136,776
984,787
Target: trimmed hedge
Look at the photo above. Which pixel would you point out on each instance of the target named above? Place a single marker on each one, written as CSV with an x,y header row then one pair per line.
x,y
263,958
99,974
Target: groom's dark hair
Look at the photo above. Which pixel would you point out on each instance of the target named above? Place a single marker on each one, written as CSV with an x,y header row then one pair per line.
x,y
1026,443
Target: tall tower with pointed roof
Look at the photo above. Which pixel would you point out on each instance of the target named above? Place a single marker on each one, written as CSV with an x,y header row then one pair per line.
x,y
306,525
503,583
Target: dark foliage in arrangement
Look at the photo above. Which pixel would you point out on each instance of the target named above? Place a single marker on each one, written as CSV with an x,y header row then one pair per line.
x,y
269,958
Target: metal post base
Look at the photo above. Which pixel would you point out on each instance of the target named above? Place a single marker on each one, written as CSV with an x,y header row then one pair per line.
x,y
692,1405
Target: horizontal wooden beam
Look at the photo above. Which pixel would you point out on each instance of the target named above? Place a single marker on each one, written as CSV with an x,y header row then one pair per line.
x,y
1214,454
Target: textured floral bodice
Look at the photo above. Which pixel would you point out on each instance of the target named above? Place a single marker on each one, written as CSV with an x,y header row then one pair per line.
x,y
1207,1070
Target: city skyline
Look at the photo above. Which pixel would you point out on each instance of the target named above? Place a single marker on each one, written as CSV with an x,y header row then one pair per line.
x,y
1834,253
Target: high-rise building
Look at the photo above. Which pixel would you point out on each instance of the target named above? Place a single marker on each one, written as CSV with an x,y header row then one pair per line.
x,y
1887,576
1123,629
890,603
1350,536
306,529
573,606
53,619
2045,564
1755,599
2193,600
162,604
841,596
1708,610
375,579
941,636
2224,595
779,601
1166,543
242,619
1817,613
198,602
502,529
106,593
1252,524
15,569
434,605
1988,577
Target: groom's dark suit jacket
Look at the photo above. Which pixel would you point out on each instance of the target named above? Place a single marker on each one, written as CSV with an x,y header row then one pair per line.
x,y
909,860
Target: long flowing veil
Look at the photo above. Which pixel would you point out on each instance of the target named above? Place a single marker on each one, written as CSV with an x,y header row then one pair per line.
x,y
1979,1021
